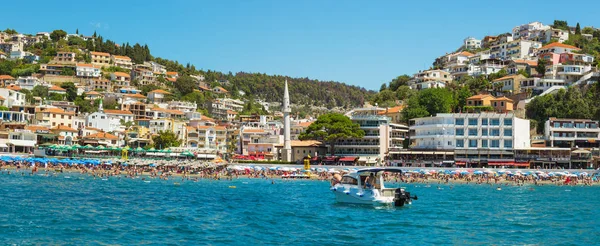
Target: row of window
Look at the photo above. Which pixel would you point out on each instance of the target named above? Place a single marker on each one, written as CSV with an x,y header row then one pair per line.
x,y
484,132
484,122
483,143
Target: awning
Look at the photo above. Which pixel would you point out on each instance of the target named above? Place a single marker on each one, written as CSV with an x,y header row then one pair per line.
x,y
23,143
348,159
367,160
3,145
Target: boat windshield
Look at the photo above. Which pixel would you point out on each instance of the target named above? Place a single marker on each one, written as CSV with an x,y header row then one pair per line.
x,y
349,180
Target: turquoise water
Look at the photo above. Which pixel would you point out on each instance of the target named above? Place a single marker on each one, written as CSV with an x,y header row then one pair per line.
x,y
57,210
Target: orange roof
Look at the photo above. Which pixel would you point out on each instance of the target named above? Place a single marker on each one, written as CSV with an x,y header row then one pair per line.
x,y
159,91
5,77
84,65
254,131
56,88
92,93
102,135
34,128
231,112
215,127
172,79
503,98
508,77
134,95
204,88
2,98
221,89
171,73
121,74
122,57
392,110
480,96
92,129
56,111
305,124
528,62
559,45
465,53
63,129
170,111
14,87
116,111
206,118
99,53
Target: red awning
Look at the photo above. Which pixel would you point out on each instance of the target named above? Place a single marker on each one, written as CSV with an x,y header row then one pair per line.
x,y
329,158
314,158
461,163
348,159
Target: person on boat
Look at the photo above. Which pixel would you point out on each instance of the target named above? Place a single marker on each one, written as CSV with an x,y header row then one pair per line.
x,y
369,181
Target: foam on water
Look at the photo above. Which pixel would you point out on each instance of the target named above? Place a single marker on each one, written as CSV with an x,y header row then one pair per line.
x,y
54,210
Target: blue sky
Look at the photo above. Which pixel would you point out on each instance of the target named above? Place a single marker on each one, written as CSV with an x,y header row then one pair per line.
x,y
364,43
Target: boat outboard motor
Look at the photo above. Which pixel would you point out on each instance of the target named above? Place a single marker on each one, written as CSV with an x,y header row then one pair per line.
x,y
402,197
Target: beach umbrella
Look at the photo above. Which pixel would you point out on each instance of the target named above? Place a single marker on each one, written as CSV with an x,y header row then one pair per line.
x,y
139,149
76,146
152,149
478,172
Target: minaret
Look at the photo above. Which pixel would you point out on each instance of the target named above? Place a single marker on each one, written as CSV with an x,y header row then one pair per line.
x,y
286,152
100,108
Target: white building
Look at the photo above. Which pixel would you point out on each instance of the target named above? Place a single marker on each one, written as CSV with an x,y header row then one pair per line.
x,y
381,137
529,31
28,82
435,75
182,106
572,133
470,131
87,70
472,43
517,49
11,98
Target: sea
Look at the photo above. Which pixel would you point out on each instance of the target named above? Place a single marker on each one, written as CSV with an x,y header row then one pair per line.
x,y
71,209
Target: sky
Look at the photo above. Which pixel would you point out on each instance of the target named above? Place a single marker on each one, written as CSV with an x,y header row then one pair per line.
x,y
363,43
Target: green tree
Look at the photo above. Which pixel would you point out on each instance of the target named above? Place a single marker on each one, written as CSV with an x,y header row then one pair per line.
x,y
185,85
414,109
401,80
560,24
57,35
166,139
461,97
577,29
85,106
541,66
56,97
71,90
524,73
10,31
404,92
436,100
331,128
40,91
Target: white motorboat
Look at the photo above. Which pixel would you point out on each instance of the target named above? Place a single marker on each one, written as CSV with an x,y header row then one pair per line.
x,y
366,186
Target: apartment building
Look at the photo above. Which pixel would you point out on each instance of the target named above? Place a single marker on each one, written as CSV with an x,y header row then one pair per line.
x,y
100,59
122,62
382,137
472,138
430,79
572,133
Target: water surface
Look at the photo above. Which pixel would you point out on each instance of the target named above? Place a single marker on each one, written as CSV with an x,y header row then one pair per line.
x,y
82,210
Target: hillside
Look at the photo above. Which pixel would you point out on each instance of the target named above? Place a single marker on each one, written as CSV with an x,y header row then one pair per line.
x,y
254,86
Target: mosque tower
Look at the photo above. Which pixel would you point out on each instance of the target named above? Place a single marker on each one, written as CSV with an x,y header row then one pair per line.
x,y
286,152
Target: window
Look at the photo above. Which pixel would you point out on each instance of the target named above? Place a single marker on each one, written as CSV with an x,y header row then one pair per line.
x,y
508,122
450,143
53,115
484,122
495,144
459,122
484,143
508,144
460,132
349,180
484,132
460,143
508,132
472,121
495,122
495,132
556,124
472,143
472,131
62,116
